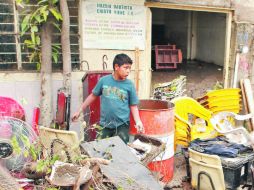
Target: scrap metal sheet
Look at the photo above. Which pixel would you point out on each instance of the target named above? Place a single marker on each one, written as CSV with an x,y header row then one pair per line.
x,y
124,170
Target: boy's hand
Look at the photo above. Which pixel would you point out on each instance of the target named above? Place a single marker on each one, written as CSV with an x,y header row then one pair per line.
x,y
139,126
75,116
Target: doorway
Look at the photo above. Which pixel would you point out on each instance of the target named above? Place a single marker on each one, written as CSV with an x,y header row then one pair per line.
x,y
203,39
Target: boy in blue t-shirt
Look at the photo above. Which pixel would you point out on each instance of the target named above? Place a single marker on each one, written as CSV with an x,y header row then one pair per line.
x,y
118,99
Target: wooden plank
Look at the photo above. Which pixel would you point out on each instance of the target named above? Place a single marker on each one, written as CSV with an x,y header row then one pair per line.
x,y
227,48
249,99
137,69
236,68
125,169
188,7
209,3
246,109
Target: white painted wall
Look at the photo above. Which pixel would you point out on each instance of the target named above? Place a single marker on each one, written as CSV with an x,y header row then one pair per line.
x,y
211,31
192,40
176,22
26,86
25,89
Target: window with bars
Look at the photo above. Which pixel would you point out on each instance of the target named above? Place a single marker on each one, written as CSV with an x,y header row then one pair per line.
x,y
13,54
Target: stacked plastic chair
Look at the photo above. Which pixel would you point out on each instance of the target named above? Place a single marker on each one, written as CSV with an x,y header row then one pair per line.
x,y
187,111
222,100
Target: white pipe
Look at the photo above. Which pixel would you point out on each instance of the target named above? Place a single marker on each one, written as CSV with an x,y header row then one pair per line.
x,y
236,69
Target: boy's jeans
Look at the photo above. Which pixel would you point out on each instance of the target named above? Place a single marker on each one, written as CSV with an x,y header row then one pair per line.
x,y
122,131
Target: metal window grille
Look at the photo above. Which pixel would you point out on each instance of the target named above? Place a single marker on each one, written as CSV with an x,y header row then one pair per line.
x,y
13,54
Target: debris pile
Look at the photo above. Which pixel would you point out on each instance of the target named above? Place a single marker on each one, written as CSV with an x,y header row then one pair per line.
x,y
146,148
57,158
170,90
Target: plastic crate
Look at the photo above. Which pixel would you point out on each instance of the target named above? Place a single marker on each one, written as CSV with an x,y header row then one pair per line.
x,y
232,176
167,56
236,169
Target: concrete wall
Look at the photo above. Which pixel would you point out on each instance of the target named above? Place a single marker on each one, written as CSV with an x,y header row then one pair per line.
x,y
26,86
242,36
25,89
241,7
177,29
211,30
244,10
243,13
176,26
158,16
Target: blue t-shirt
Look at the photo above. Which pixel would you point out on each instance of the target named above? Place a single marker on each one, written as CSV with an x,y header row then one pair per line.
x,y
116,98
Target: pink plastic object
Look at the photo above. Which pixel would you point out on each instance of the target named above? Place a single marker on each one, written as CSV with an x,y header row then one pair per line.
x,y
10,107
6,131
35,122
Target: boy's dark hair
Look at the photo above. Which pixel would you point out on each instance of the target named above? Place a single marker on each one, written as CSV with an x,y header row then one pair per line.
x,y
121,59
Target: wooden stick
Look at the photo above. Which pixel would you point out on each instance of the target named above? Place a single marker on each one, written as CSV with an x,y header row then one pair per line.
x,y
95,161
137,69
82,173
249,98
90,182
236,69
245,104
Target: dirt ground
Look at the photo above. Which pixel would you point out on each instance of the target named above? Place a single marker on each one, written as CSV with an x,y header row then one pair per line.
x,y
200,76
180,180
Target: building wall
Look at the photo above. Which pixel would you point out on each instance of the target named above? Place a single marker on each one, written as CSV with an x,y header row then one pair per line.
x,y
26,86
244,10
211,30
25,89
158,16
243,21
176,29
241,7
94,56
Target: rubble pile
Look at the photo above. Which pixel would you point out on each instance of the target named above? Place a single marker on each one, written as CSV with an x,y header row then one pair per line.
x,y
170,90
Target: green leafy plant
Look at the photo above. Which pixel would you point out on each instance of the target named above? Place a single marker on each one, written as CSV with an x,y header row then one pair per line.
x,y
120,187
44,11
46,164
130,181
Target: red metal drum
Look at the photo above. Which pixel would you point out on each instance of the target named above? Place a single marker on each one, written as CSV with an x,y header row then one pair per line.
x,y
158,119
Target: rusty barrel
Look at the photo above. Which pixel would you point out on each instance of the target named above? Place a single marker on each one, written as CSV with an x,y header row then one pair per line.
x,y
158,119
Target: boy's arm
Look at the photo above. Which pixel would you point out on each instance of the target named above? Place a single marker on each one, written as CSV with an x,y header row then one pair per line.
x,y
135,113
90,99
